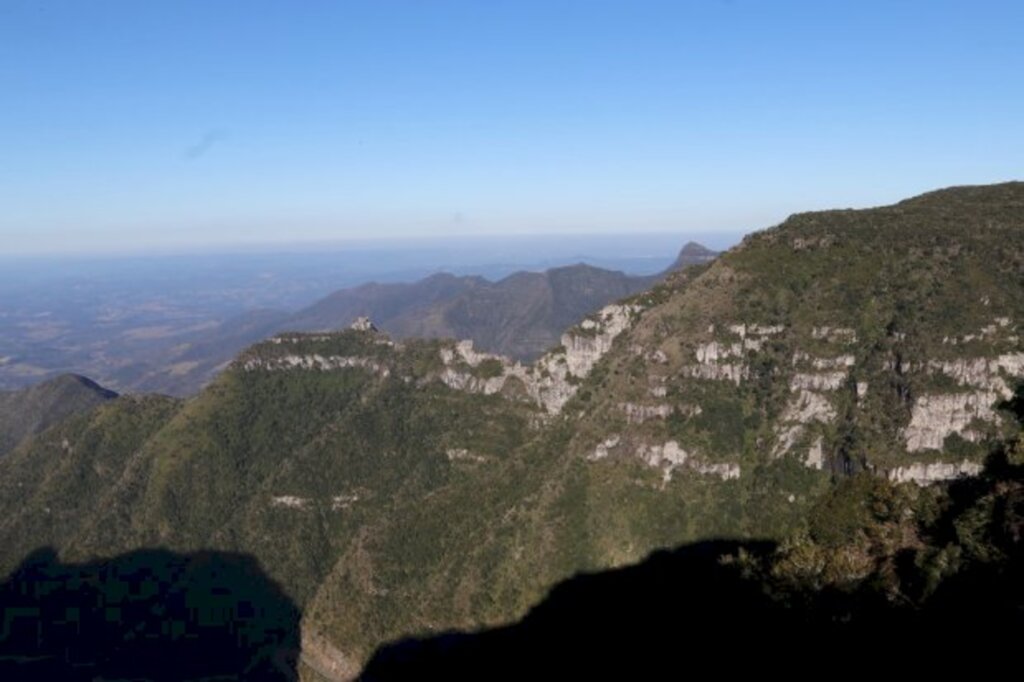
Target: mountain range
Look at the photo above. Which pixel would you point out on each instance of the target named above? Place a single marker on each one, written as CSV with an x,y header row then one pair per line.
x,y
521,316
839,395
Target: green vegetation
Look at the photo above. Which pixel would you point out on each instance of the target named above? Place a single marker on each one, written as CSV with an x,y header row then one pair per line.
x,y
489,368
52,487
386,503
31,411
906,544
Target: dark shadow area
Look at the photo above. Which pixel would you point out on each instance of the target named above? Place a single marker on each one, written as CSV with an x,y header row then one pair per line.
x,y
147,615
1015,403
687,612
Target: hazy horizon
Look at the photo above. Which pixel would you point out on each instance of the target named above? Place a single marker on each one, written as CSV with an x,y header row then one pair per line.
x,y
636,244
116,318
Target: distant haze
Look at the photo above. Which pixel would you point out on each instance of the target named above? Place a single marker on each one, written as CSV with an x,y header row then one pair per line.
x,y
316,269
166,321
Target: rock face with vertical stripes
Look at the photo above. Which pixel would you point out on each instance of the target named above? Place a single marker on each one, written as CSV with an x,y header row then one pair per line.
x,y
554,378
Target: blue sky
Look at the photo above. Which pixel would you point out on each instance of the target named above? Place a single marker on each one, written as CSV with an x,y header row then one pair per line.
x,y
138,125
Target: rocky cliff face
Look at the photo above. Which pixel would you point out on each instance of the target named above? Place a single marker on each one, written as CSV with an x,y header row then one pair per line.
x,y
553,379
981,383
880,340
819,383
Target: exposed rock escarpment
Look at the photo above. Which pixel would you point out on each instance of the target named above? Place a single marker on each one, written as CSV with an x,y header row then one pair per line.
x,y
923,473
669,458
550,382
554,378
986,381
314,362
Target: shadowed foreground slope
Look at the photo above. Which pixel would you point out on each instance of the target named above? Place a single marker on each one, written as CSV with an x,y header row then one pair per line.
x,y
886,573
147,615
704,604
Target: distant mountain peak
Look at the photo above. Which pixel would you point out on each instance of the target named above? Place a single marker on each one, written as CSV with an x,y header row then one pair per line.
x,y
692,253
71,380
29,411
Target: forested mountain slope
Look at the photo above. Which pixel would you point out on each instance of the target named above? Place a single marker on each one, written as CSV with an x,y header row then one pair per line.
x,y
398,488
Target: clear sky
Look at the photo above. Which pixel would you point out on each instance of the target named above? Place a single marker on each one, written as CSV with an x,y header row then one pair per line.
x,y
137,124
